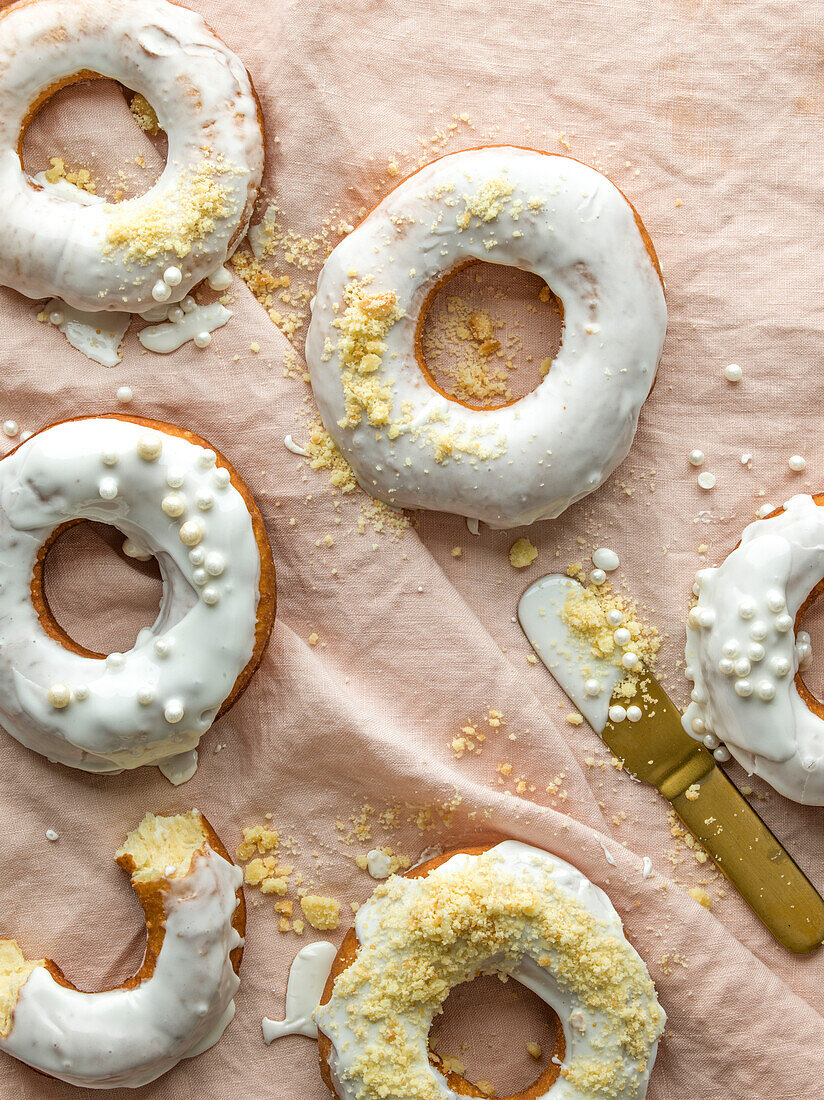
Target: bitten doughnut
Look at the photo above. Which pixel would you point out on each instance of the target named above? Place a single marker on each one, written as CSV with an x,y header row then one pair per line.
x,y
180,1001
156,247
745,653
410,443
173,497
510,909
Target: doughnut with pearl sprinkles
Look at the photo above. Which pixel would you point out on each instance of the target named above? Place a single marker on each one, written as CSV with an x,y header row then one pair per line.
x,y
176,499
510,909
180,1001
411,444
745,653
156,247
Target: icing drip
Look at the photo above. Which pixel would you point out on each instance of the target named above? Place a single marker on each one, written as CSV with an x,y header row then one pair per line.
x,y
307,978
97,335
174,334
295,448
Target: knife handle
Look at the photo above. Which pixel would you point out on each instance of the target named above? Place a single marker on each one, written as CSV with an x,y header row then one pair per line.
x,y
747,853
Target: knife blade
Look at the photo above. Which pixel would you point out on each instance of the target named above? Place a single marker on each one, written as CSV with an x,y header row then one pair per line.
x,y
655,749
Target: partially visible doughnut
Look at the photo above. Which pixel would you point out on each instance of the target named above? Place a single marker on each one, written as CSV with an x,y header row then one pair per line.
x,y
413,445
510,909
746,654
176,498
180,1001
156,247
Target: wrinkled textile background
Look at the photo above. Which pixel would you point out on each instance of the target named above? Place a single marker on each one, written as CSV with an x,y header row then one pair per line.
x,y
709,116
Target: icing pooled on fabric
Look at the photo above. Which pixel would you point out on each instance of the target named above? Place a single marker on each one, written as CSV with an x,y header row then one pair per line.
x,y
308,975
410,445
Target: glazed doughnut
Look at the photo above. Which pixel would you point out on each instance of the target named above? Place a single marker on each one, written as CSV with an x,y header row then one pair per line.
x,y
745,653
156,247
180,1001
413,445
510,909
174,498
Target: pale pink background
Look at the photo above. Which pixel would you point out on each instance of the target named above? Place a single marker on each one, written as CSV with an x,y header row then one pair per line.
x,y
717,105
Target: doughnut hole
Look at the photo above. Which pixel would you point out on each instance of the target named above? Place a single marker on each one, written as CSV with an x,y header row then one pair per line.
x,y
488,334
486,1025
95,594
89,127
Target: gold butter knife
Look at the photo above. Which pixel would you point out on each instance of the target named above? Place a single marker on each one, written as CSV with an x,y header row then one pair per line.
x,y
656,750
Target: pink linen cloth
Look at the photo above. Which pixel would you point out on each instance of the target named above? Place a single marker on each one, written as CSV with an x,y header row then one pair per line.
x,y
709,117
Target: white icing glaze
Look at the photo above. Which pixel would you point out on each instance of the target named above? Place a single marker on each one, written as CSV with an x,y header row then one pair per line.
x,y
63,189
743,655
195,650
97,335
532,459
308,975
175,333
295,448
128,1037
52,244
646,867
584,1028
378,863
589,681
220,279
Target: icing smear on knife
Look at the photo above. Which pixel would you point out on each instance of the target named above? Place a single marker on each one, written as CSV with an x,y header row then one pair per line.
x,y
592,641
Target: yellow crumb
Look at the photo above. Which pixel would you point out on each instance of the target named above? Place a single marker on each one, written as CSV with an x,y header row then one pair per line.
x,y
534,1050
257,838
313,639
144,114
322,913
692,792
522,553
701,896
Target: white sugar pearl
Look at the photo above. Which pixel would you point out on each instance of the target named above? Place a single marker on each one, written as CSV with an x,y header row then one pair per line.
x,y
220,279
756,652
617,714
188,304
56,317
173,504
11,428
149,447
776,601
733,373
206,459
622,636
107,488
200,576
52,834
173,711
803,638
693,618
592,687
221,477
722,754
197,556
204,499
726,666
706,616
797,463
605,559
597,576
784,623
210,595
698,726
163,646
730,648
765,510
696,458
615,617
175,477
161,292
698,695
109,458
635,714
742,667
202,339
765,690
191,532
124,395
706,480
629,660
780,666
145,695
215,564
746,608
175,315
80,692
172,276
743,688
25,435
59,696
759,631
710,741
115,660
